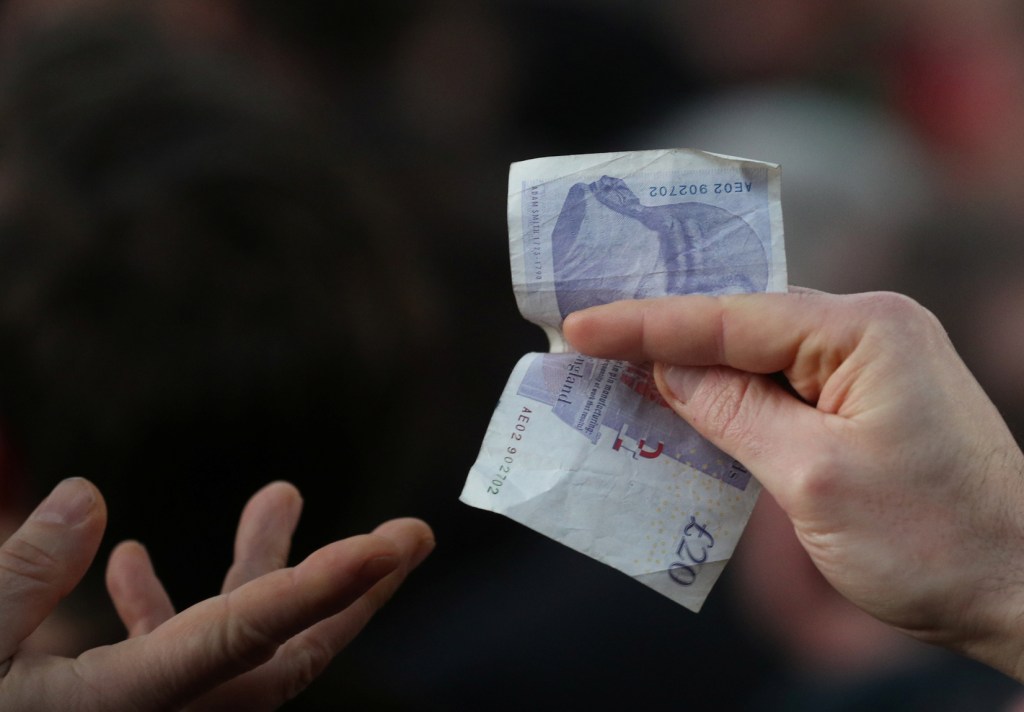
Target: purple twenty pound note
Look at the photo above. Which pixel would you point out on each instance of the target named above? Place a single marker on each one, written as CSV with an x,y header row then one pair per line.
x,y
585,450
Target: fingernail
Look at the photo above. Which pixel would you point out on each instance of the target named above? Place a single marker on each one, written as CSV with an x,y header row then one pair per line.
x,y
69,503
379,567
683,381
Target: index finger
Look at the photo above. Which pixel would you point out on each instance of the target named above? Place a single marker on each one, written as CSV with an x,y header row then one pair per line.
x,y
264,536
697,330
758,333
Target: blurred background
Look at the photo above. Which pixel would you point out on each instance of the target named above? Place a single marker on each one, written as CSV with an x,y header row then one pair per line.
x,y
385,129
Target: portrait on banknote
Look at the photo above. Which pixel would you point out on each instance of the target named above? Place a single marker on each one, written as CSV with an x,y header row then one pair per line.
x,y
607,244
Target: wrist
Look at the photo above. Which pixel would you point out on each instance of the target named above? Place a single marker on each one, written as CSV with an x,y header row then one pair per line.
x,y
993,624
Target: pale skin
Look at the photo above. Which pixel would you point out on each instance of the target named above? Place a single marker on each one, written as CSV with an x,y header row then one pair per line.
x,y
902,481
272,630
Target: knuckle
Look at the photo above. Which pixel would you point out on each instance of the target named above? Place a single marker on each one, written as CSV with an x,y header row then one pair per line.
x,y
244,641
28,562
727,409
814,481
308,662
821,477
900,310
889,303
900,318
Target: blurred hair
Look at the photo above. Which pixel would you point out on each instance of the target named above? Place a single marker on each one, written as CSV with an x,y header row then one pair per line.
x,y
352,32
198,283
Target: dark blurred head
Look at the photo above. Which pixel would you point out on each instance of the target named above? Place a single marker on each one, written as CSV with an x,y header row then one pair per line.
x,y
348,32
965,266
199,285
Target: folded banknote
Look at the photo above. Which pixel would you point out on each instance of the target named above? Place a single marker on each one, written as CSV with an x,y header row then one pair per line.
x,y
585,450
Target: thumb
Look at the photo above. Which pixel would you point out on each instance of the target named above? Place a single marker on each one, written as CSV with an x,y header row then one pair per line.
x,y
750,417
44,560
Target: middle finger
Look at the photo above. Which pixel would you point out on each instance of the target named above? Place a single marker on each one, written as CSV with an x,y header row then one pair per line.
x,y
264,536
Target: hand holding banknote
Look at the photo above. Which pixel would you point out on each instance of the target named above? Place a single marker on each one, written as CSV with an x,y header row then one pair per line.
x,y
902,481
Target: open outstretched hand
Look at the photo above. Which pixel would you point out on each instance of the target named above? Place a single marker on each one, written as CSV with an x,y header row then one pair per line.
x,y
269,633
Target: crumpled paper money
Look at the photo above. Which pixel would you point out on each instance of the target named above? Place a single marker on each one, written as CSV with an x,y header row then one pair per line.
x,y
585,450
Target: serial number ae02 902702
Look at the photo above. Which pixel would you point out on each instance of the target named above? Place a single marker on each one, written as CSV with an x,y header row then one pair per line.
x,y
508,459
687,189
